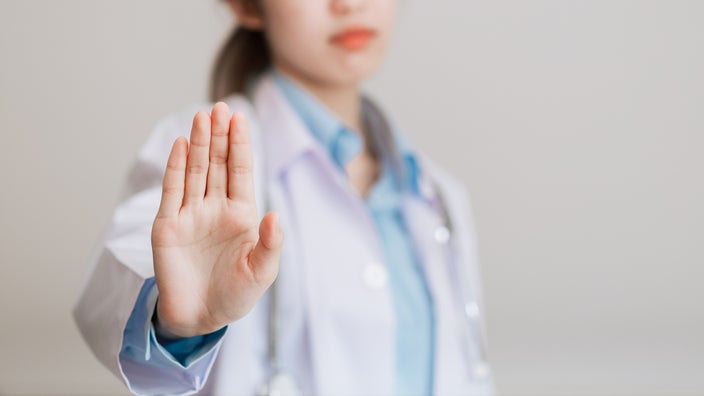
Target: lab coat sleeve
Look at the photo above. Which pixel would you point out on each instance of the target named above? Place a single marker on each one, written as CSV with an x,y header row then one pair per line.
x,y
121,263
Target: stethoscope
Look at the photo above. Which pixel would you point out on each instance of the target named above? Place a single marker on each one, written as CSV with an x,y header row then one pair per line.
x,y
281,382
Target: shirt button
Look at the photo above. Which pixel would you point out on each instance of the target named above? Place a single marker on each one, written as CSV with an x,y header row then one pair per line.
x,y
374,276
471,309
481,370
442,234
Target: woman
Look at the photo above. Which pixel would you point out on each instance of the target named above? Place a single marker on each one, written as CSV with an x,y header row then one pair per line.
x,y
370,243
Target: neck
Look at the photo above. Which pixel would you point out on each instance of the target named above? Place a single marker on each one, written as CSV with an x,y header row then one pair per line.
x,y
343,100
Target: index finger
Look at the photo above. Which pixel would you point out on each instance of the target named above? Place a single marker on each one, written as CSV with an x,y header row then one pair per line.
x,y
240,180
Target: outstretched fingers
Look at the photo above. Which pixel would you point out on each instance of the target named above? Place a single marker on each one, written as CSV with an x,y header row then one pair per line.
x,y
174,179
240,180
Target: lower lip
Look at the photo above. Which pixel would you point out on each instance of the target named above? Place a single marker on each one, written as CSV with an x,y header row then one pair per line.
x,y
354,41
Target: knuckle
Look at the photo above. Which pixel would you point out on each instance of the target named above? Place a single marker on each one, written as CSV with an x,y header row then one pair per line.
x,y
215,187
172,190
173,165
220,129
219,132
236,169
265,273
199,141
196,169
218,159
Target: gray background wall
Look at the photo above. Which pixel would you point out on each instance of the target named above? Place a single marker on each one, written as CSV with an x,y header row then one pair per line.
x,y
577,126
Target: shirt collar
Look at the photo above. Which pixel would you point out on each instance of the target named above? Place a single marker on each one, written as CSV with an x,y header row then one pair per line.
x,y
328,130
338,140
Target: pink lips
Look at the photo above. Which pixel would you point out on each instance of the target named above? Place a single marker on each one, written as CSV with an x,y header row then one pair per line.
x,y
354,37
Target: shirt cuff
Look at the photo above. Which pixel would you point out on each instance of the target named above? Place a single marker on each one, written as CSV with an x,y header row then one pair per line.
x,y
185,351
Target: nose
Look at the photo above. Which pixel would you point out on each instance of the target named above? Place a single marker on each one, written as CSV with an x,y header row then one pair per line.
x,y
346,6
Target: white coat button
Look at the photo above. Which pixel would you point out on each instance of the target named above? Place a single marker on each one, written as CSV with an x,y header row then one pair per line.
x,y
471,309
481,370
374,275
442,234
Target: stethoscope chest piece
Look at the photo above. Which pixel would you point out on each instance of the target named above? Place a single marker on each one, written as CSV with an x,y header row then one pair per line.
x,y
280,384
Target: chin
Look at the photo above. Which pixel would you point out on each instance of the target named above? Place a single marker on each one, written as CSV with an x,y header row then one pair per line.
x,y
338,71
354,71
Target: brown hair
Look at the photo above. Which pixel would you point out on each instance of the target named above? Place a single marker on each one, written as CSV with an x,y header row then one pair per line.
x,y
244,55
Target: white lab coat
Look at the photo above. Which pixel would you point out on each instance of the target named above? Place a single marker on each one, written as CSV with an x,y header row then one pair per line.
x,y
337,315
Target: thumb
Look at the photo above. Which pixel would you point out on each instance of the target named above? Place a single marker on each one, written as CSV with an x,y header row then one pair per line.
x,y
264,258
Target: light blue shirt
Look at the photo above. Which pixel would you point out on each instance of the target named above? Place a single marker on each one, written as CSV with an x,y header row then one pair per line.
x,y
412,302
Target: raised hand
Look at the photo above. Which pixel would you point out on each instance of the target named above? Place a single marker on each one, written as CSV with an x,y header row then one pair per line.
x,y
213,259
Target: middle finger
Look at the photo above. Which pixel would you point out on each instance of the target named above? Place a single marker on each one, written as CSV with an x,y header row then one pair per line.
x,y
217,171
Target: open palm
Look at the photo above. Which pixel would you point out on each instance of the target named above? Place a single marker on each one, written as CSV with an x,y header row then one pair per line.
x,y
213,259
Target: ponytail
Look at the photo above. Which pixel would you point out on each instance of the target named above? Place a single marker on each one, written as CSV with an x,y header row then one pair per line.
x,y
244,55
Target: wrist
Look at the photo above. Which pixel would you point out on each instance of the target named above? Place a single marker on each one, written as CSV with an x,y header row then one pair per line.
x,y
166,333
161,331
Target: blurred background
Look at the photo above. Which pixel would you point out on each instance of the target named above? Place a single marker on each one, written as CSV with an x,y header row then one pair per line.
x,y
576,125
